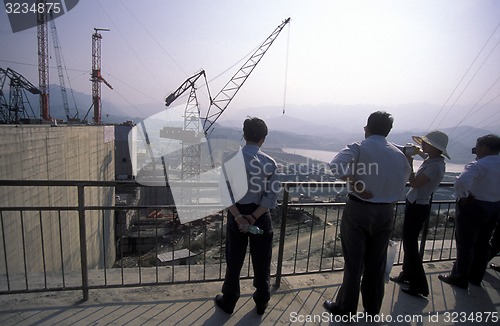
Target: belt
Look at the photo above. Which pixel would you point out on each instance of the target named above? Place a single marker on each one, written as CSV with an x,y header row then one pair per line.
x,y
359,200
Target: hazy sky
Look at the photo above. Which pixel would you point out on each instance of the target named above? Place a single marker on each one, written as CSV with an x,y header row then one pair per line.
x,y
343,52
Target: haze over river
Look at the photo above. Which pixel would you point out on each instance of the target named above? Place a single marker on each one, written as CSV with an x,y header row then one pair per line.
x,y
327,156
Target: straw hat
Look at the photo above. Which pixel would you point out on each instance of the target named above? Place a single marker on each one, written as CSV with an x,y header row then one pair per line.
x,y
436,139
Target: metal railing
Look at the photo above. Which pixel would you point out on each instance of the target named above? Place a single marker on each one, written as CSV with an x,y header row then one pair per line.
x,y
77,247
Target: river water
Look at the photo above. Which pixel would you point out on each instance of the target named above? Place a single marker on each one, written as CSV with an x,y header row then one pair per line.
x,y
327,156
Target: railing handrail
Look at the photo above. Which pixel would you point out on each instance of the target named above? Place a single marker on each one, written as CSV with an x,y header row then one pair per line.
x,y
81,208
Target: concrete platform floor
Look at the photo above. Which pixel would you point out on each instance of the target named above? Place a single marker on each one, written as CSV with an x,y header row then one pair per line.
x,y
297,302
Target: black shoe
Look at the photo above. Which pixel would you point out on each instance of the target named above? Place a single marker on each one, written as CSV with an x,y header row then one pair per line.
x,y
495,267
414,292
220,303
453,281
261,308
333,308
399,279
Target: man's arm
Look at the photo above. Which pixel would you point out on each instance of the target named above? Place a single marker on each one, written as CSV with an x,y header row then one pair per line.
x,y
343,167
343,163
270,196
464,181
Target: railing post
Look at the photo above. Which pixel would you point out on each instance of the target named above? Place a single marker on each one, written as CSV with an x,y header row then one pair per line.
x,y
83,242
425,229
281,247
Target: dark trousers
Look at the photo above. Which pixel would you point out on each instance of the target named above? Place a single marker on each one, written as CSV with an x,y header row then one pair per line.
x,y
474,225
260,252
413,270
495,239
365,230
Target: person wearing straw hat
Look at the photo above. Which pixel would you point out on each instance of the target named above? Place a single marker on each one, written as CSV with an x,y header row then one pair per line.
x,y
422,184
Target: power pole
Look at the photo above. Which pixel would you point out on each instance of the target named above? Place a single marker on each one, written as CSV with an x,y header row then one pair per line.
x,y
96,77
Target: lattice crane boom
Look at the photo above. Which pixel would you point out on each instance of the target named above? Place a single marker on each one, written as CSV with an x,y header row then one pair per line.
x,y
13,109
60,72
221,101
189,136
188,84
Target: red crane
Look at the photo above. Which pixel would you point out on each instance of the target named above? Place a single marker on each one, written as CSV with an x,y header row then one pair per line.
x,y
96,77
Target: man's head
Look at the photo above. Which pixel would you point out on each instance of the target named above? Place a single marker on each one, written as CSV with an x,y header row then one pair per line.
x,y
379,123
487,145
254,130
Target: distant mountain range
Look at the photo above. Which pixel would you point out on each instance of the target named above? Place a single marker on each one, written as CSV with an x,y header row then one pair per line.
x,y
80,105
321,127
459,146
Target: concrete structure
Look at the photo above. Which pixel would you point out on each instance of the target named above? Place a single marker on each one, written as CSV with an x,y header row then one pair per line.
x,y
126,151
43,152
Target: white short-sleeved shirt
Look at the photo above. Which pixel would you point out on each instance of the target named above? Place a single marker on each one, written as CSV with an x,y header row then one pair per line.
x,y
381,166
434,169
480,178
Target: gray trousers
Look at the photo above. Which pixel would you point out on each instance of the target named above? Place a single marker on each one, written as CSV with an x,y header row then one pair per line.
x,y
365,230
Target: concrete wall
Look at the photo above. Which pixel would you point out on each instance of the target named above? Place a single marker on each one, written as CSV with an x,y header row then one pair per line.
x,y
126,152
42,152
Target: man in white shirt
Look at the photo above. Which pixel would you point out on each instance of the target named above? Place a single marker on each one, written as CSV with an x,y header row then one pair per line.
x,y
477,209
377,171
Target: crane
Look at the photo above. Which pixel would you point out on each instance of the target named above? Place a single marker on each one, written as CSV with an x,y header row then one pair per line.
x,y
190,147
187,84
96,77
60,72
189,135
13,109
221,101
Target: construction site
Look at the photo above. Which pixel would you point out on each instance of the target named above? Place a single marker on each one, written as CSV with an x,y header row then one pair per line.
x,y
80,147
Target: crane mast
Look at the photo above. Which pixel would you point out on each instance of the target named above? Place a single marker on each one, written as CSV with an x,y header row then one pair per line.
x,y
189,135
43,63
96,77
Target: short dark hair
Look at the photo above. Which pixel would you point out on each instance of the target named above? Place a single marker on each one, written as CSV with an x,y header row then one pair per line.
x,y
492,142
380,123
254,129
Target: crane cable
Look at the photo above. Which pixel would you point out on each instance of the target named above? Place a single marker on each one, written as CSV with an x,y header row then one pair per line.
x,y
463,77
286,68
